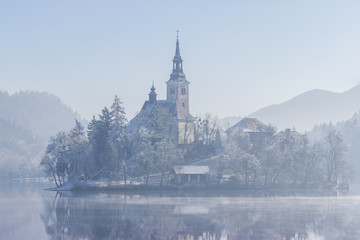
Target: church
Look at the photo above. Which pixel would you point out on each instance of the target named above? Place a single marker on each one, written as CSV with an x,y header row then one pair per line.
x,y
176,105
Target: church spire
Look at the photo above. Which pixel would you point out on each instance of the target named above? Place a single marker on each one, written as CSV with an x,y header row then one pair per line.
x,y
177,61
177,51
178,86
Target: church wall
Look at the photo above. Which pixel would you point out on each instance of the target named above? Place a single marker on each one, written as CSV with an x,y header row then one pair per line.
x,y
184,98
172,91
175,92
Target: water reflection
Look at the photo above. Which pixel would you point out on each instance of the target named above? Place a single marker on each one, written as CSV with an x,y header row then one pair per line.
x,y
118,216
112,217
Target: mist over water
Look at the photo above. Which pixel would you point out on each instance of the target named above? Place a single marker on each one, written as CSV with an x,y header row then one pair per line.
x,y
30,212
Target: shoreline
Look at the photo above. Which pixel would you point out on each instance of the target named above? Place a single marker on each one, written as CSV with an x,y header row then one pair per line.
x,y
206,189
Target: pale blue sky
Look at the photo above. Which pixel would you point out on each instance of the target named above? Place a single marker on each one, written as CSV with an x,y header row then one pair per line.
x,y
238,55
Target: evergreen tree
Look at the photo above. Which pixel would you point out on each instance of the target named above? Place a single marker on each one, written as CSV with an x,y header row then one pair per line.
x,y
98,134
78,148
118,138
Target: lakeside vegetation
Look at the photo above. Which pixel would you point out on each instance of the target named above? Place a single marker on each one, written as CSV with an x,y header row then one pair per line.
x,y
109,151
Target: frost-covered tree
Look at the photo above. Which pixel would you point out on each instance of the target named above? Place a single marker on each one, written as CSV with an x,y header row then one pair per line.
x,y
78,149
207,129
56,159
207,139
66,155
143,153
243,163
153,156
166,156
313,170
98,134
154,148
274,167
335,162
119,139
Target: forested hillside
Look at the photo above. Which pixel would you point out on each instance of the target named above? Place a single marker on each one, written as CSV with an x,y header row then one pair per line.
x,y
19,151
27,120
42,113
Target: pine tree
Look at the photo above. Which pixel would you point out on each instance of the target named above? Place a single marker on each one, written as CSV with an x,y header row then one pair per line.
x,y
118,138
98,134
78,148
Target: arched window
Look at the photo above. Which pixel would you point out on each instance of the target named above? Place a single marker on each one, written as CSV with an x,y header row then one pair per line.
x,y
183,104
183,92
172,90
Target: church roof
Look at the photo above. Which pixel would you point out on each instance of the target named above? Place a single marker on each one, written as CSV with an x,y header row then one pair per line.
x,y
289,134
251,125
171,107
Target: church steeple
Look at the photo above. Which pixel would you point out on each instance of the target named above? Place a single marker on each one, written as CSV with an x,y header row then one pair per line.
x,y
177,72
177,61
178,86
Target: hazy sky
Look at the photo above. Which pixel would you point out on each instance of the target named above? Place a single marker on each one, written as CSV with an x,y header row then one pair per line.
x,y
238,55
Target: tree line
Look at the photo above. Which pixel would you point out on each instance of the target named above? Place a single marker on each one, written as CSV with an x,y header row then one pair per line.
x,y
110,149
286,158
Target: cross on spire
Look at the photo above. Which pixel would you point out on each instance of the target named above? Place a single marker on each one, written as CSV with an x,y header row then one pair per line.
x,y
177,34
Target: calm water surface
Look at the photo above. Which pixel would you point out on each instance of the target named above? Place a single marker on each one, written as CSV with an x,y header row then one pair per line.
x,y
29,212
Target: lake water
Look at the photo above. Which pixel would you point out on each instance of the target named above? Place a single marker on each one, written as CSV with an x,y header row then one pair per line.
x,y
29,212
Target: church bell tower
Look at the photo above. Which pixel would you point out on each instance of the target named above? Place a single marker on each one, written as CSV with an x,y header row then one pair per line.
x,y
177,85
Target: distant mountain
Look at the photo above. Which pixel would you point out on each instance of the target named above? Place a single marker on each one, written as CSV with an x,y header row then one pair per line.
x,y
310,108
42,113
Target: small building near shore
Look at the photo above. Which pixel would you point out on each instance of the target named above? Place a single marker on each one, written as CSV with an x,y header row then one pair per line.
x,y
192,174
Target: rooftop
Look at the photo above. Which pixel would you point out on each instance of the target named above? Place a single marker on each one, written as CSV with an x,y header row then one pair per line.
x,y
249,125
191,169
